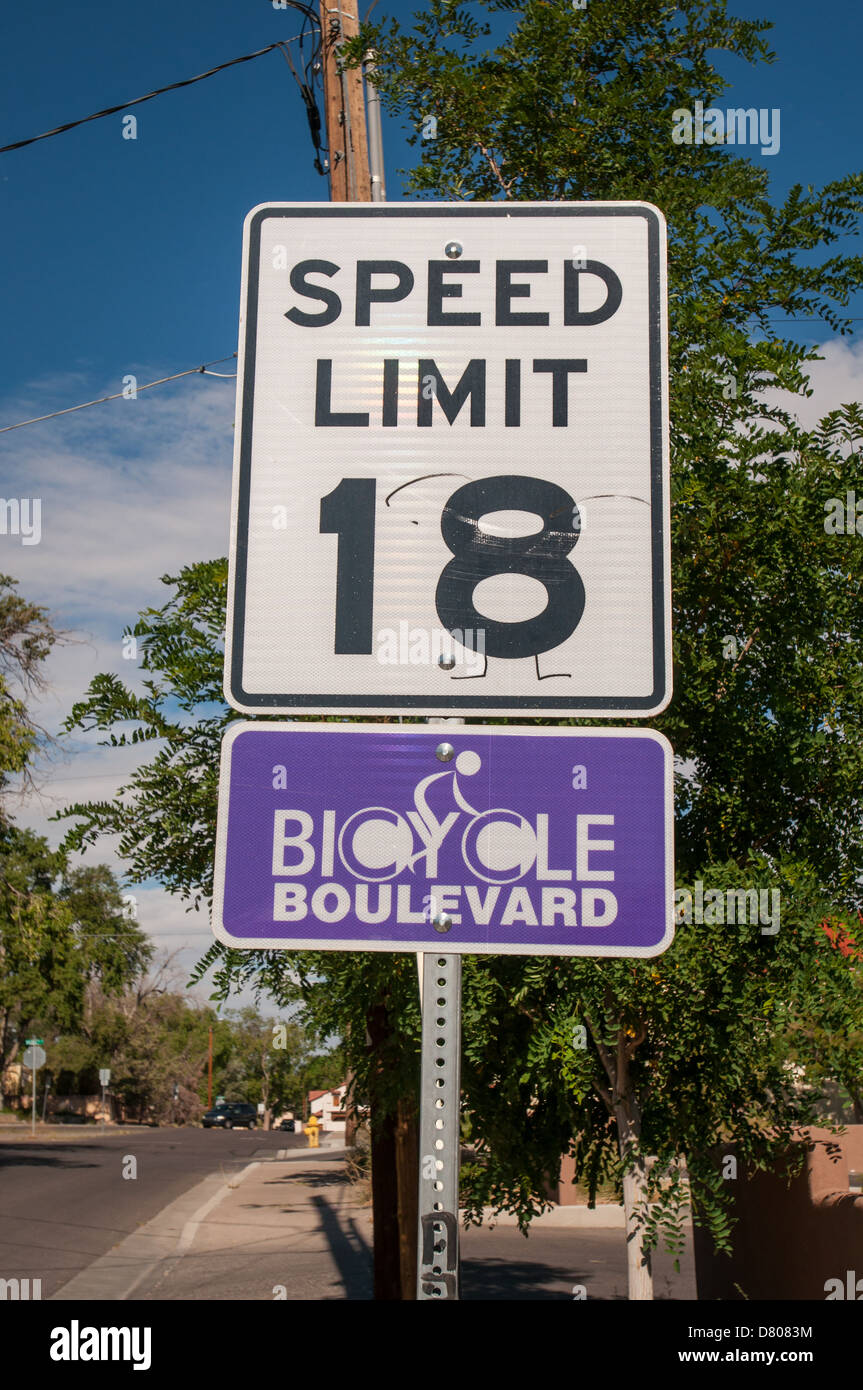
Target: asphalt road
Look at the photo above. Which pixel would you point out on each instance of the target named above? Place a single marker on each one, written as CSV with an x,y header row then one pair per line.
x,y
64,1200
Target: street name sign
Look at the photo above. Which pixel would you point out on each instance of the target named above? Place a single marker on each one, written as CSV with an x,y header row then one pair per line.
x,y
451,484
460,839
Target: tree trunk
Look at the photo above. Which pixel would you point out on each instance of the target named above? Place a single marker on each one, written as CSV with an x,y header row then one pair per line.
x,y
3,1059
407,1166
385,1217
350,1109
623,1106
394,1130
385,1190
638,1263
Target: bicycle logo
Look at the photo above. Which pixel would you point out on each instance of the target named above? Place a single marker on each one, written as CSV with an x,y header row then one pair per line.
x,y
378,843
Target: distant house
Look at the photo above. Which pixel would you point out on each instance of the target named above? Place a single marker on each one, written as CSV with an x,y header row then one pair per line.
x,y
329,1108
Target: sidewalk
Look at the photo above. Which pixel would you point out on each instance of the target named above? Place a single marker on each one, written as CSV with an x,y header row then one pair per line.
x,y
291,1227
281,1228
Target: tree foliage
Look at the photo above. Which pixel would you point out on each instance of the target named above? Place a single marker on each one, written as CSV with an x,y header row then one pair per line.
x,y
695,1049
63,930
26,638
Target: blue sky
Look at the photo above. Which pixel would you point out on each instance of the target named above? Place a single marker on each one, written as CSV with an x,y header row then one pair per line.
x,y
123,257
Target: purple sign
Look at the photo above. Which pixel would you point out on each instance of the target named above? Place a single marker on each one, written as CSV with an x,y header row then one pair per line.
x,y
387,838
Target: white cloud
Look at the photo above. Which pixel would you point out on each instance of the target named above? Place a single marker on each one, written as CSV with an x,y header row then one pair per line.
x,y
835,381
130,491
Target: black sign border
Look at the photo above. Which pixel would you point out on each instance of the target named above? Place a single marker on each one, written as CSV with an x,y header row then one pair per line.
x,y
653,703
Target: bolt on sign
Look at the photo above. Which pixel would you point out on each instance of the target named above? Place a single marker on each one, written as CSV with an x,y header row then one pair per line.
x,y
511,840
451,469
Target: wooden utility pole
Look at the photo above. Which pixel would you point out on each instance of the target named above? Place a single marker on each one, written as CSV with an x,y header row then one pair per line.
x,y
344,107
394,1133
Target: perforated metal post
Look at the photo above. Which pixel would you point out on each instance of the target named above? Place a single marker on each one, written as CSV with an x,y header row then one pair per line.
x,y
438,1268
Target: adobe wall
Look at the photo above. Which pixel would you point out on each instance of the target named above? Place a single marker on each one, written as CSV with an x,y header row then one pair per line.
x,y
791,1238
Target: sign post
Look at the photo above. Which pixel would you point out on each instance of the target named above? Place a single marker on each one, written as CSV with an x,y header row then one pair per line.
x,y
34,1057
450,497
104,1079
438,1266
440,1086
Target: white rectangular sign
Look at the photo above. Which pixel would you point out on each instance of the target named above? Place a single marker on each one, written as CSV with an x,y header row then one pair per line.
x,y
451,467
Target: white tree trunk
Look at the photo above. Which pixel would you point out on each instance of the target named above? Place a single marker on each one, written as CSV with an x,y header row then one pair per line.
x,y
623,1105
638,1266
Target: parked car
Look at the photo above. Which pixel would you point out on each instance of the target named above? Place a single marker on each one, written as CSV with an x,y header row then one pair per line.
x,y
229,1115
286,1124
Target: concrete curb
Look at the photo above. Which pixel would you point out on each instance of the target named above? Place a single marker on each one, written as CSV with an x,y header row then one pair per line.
x,y
60,1132
286,1154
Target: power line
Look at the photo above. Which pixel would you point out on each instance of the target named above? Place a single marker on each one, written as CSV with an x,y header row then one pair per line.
x,y
160,91
306,85
812,318
190,371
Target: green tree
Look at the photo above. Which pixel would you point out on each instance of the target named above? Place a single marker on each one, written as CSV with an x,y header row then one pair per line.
x,y
62,933
26,638
159,1043
322,1072
827,1041
269,1062
153,1038
691,1050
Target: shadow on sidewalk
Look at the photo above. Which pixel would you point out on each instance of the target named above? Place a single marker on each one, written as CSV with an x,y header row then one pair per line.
x,y
352,1255
523,1281
316,1179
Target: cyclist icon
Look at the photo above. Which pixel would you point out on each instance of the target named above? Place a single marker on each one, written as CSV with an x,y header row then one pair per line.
x,y
498,845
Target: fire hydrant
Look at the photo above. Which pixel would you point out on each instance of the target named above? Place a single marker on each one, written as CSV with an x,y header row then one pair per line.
x,y
312,1130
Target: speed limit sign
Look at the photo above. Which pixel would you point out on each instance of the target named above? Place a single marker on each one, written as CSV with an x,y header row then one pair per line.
x,y
451,467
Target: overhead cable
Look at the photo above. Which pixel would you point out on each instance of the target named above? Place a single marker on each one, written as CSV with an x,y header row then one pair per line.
x,y
112,110
190,371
